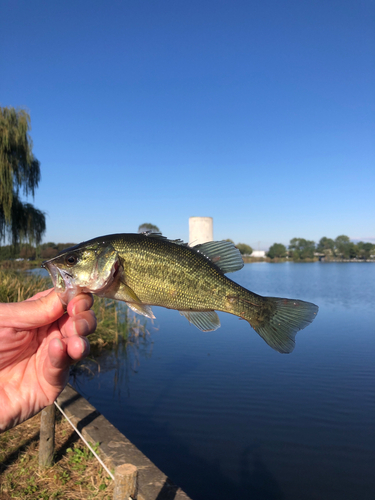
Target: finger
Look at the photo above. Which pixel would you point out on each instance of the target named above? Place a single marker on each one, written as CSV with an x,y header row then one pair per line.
x,y
56,364
32,313
82,324
78,347
61,353
80,303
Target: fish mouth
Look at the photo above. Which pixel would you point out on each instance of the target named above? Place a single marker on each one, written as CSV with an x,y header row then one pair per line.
x,y
62,281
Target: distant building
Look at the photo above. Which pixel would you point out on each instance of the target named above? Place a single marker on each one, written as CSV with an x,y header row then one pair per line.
x,y
260,254
200,230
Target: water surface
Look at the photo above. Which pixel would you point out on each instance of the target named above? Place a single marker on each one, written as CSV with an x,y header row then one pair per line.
x,y
226,417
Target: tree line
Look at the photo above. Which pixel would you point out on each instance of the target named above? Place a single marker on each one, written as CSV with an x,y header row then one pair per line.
x,y
27,251
299,249
340,248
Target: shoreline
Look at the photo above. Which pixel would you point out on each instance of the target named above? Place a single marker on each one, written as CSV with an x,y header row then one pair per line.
x,y
251,260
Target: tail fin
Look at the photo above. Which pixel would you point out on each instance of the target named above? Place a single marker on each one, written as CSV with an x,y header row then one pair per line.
x,y
280,319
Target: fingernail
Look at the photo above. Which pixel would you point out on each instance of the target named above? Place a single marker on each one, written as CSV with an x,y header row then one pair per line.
x,y
85,346
81,327
60,344
83,304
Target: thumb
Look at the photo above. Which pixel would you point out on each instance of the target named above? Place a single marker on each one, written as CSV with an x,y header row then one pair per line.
x,y
32,313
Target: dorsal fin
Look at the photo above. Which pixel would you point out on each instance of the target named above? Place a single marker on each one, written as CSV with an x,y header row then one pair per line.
x,y
223,254
161,237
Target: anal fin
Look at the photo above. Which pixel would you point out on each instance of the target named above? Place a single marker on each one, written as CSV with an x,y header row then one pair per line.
x,y
207,321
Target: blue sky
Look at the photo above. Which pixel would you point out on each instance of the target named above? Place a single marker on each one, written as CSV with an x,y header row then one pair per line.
x,y
258,114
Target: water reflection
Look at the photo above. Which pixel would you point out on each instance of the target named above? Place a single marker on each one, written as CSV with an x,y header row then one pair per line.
x,y
119,358
256,480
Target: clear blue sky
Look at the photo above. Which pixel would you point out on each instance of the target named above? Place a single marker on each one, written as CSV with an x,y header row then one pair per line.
x,y
259,114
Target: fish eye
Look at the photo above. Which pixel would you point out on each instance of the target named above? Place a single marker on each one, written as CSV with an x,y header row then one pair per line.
x,y
70,260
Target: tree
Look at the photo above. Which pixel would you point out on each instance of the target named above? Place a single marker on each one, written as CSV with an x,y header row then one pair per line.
x,y
343,246
147,226
19,169
50,249
277,250
301,248
27,251
364,250
244,249
326,246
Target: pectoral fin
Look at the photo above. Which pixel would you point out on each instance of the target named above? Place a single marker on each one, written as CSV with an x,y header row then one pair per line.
x,y
141,309
126,294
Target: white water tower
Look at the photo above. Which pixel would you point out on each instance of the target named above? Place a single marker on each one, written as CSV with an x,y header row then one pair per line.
x,y
200,230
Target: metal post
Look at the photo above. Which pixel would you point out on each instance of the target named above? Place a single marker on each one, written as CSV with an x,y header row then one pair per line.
x,y
47,436
126,482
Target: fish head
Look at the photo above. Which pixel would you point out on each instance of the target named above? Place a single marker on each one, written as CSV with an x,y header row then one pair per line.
x,y
83,268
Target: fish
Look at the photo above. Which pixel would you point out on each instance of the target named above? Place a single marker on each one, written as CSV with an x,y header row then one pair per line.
x,y
148,269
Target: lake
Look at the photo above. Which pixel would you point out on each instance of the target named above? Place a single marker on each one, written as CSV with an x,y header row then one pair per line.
x,y
226,417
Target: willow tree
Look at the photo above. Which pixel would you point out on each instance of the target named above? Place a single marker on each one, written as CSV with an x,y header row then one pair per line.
x,y
19,172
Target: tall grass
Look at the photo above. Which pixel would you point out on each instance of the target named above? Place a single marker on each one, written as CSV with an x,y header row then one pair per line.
x,y
115,322
16,286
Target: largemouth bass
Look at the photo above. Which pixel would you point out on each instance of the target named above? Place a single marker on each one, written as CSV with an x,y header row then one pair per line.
x,y
148,269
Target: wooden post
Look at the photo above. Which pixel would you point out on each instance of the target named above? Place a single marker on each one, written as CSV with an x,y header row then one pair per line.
x,y
126,482
47,436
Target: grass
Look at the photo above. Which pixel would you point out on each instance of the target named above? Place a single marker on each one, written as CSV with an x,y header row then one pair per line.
x,y
16,285
75,475
115,321
20,264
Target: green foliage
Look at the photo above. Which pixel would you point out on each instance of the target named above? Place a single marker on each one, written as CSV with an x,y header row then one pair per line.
x,y
79,456
340,248
6,252
19,169
277,250
364,250
326,246
300,249
343,246
147,226
27,222
244,249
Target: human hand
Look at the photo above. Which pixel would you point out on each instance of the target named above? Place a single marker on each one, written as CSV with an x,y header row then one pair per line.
x,y
38,342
